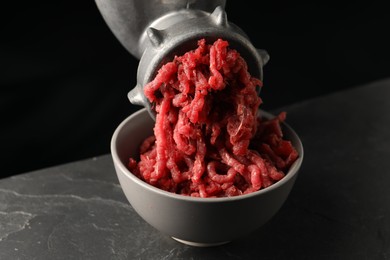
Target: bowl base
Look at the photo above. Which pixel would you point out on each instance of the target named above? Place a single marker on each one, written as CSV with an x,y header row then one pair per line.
x,y
197,244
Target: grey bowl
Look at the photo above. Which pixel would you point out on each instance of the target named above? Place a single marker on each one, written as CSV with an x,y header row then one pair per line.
x,y
196,221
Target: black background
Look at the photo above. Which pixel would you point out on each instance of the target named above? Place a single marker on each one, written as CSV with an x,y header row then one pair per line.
x,y
64,77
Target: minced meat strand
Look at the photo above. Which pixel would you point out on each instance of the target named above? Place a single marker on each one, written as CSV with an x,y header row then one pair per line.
x,y
208,138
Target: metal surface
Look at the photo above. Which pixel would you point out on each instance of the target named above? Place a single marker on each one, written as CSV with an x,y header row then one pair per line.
x,y
129,19
155,31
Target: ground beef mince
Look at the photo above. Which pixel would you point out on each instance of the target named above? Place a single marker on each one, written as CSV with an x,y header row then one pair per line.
x,y
208,139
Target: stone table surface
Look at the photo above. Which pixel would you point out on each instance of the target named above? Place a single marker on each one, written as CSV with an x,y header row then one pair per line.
x,y
339,207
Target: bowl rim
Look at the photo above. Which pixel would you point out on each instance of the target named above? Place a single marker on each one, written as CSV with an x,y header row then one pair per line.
x,y
293,171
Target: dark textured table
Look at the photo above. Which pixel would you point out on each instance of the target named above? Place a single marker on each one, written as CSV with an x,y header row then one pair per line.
x,y
338,209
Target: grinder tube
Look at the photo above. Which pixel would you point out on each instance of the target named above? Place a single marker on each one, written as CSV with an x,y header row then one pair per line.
x,y
129,19
156,33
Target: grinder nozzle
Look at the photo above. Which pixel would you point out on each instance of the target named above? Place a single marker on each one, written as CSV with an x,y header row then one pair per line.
x,y
173,30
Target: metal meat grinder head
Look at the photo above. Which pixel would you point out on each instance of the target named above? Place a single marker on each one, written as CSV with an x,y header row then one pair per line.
x,y
154,31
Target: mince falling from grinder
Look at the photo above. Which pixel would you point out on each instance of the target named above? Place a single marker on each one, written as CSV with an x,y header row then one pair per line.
x,y
155,32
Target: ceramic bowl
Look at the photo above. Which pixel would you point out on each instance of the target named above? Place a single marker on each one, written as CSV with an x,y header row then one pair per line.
x,y
196,221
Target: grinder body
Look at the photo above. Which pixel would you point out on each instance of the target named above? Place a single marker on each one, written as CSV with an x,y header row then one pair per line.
x,y
156,31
